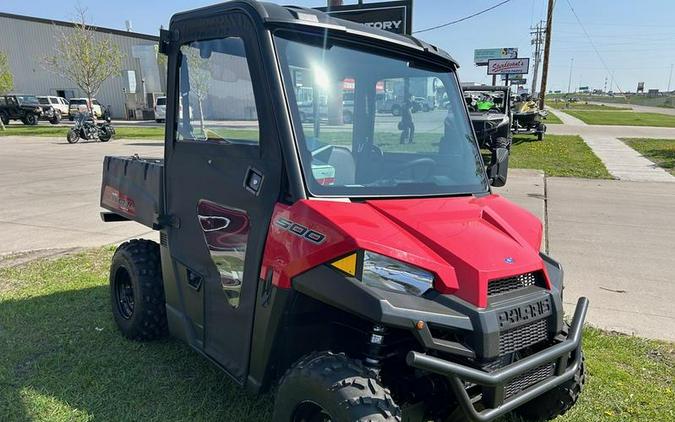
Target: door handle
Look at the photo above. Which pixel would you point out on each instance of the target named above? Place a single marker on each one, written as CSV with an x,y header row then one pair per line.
x,y
253,180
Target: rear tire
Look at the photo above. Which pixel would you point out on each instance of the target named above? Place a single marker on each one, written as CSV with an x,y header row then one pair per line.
x,y
556,402
30,120
137,291
327,386
4,117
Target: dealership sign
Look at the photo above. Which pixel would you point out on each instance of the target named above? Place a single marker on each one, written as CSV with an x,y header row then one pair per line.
x,y
392,16
508,66
483,55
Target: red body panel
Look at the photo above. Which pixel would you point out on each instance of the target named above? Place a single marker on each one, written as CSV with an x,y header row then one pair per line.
x,y
464,241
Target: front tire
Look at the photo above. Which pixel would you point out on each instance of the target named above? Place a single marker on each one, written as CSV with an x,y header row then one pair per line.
x,y
72,137
137,291
56,119
326,386
556,402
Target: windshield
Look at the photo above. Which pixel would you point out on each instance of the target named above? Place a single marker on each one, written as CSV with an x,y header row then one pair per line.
x,y
370,124
161,101
27,99
485,101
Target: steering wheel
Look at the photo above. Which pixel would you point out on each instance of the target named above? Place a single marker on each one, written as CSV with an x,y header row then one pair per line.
x,y
426,163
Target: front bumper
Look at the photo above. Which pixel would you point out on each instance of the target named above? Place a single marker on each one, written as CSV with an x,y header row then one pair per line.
x,y
497,380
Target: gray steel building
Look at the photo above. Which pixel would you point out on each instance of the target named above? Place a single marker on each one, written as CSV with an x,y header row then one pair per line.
x,y
27,40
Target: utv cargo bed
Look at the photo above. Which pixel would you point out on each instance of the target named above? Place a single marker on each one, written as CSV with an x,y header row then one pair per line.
x,y
132,189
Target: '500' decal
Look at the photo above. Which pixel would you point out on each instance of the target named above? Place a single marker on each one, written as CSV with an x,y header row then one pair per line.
x,y
301,231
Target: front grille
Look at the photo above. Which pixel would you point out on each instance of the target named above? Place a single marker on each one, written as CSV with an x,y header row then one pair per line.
x,y
528,379
521,337
497,287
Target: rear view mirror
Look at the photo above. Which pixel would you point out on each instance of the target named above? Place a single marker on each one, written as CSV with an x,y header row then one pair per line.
x,y
499,167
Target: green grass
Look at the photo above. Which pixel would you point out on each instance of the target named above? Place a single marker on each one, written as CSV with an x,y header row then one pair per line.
x,y
552,119
623,118
61,131
561,105
660,151
62,359
557,155
126,132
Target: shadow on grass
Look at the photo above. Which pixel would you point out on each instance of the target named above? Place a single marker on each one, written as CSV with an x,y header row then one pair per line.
x,y
61,357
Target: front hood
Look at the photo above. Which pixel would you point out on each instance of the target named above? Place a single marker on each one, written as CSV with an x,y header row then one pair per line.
x,y
464,241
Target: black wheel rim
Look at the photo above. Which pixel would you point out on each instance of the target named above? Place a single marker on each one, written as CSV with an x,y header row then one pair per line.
x,y
310,412
124,293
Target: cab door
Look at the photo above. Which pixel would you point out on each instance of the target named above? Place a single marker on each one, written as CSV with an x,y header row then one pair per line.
x,y
222,177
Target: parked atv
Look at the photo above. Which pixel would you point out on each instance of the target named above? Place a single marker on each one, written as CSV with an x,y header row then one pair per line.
x,y
527,118
490,112
359,278
86,128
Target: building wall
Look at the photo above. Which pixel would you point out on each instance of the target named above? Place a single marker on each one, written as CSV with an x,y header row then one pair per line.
x,y
26,42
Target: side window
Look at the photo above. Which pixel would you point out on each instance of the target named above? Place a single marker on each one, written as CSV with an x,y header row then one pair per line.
x,y
2,101
53,100
216,93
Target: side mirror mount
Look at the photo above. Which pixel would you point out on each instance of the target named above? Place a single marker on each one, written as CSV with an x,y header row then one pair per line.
x,y
499,167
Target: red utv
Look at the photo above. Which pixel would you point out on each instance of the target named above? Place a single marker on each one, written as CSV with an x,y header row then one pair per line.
x,y
361,277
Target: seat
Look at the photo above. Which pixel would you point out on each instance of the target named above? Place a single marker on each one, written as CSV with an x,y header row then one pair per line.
x,y
342,160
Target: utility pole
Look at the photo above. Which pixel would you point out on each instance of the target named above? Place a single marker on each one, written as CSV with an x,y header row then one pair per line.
x,y
670,77
569,81
547,50
537,40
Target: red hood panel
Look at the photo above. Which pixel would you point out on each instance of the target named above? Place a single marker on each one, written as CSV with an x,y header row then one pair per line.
x,y
464,241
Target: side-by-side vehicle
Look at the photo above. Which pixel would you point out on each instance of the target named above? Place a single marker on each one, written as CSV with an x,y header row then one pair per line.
x,y
359,276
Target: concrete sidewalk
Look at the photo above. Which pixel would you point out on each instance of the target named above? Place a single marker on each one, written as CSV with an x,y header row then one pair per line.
x,y
622,161
566,118
615,241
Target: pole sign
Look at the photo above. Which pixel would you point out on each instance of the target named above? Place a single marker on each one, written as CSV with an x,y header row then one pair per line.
x,y
508,66
392,16
483,55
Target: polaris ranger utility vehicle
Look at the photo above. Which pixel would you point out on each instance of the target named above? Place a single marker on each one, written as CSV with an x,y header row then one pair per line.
x,y
362,278
491,115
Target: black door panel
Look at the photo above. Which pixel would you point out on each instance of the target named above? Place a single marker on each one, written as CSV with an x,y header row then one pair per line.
x,y
223,211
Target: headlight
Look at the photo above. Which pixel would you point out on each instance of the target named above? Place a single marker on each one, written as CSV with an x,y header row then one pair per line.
x,y
389,274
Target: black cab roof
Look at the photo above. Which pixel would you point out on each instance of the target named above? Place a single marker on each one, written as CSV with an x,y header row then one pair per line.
x,y
274,15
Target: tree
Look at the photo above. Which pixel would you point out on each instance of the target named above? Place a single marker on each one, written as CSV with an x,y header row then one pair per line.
x,y
6,79
84,57
200,78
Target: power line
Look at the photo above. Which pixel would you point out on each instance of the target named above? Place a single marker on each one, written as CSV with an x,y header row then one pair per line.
x,y
590,40
461,19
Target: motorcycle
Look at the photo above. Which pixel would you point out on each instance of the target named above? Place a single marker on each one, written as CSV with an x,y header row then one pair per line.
x,y
86,128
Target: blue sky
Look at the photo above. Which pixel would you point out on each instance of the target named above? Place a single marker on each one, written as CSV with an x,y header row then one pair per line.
x,y
636,39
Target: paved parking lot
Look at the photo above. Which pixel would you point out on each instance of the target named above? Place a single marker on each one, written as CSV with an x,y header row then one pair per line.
x,y
615,238
49,191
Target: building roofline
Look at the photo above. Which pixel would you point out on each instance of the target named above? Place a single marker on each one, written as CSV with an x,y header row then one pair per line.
x,y
72,25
